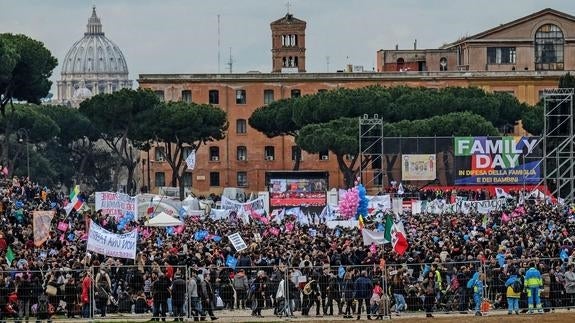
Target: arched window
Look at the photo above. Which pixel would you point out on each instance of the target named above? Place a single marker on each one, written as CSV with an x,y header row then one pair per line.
x,y
549,42
400,63
443,64
295,61
283,40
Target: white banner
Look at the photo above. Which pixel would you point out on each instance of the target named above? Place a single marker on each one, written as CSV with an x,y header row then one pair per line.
x,y
116,204
237,241
110,244
191,160
244,210
397,205
466,207
348,224
379,202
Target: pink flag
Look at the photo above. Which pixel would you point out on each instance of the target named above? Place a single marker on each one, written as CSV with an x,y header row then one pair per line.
x,y
274,231
179,229
289,227
5,171
62,226
505,218
62,238
373,248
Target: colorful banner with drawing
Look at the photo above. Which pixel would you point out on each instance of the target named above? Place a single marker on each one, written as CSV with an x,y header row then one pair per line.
x,y
253,209
41,224
496,160
418,167
116,204
110,244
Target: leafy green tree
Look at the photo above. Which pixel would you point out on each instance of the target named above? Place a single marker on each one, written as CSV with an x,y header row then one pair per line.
x,y
115,118
181,127
26,68
31,128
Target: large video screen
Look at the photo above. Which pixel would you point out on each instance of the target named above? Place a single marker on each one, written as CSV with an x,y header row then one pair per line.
x,y
286,192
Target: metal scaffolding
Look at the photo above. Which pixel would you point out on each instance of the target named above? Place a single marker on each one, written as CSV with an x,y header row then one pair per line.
x,y
559,143
371,151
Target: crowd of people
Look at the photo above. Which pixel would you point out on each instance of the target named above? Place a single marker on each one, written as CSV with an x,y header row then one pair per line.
x,y
454,262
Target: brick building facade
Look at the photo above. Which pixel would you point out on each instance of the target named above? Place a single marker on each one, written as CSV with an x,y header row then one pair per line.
x,y
244,156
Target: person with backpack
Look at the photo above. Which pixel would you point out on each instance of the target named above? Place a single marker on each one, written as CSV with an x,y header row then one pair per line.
x,y
195,296
533,286
43,309
103,290
514,288
207,297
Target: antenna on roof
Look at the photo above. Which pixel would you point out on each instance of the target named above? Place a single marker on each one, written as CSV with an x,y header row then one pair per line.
x,y
288,6
231,62
218,44
327,63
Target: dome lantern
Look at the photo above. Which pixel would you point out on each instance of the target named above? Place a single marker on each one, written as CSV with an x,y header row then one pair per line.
x,y
94,26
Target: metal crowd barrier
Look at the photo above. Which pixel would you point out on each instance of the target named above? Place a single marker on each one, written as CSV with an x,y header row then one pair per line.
x,y
135,292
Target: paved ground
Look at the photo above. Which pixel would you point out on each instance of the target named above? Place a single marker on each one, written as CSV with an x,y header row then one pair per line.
x,y
244,316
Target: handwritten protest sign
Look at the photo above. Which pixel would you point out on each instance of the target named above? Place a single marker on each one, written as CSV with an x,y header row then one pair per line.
x,y
116,204
110,244
237,241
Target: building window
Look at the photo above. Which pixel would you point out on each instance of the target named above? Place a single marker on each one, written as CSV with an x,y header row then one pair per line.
x,y
549,42
501,55
295,93
399,64
242,153
214,153
160,154
443,64
324,155
241,126
160,95
160,179
295,153
240,96
187,180
214,97
214,178
268,96
269,152
242,179
187,96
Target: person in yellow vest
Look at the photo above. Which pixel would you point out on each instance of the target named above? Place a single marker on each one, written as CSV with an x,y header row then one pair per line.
x,y
514,289
533,287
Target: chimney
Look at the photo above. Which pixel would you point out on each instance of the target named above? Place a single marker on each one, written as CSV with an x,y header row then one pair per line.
x,y
349,68
396,46
415,45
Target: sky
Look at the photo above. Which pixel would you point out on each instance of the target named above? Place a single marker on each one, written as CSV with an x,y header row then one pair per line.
x,y
181,36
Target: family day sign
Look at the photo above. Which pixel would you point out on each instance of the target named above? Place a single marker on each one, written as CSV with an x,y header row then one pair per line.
x,y
496,160
116,204
110,244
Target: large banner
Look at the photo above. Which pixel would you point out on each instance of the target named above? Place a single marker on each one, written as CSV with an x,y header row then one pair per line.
x,y
298,192
110,244
116,204
496,160
441,206
41,225
418,167
251,209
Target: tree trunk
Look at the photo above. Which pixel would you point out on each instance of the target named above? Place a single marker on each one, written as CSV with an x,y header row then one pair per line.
x,y
347,171
389,163
297,160
130,184
181,187
120,163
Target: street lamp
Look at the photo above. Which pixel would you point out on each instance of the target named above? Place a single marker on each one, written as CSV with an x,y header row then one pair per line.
x,y
26,134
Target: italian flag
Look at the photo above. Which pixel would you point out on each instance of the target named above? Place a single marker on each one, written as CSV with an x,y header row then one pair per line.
x,y
397,234
75,201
